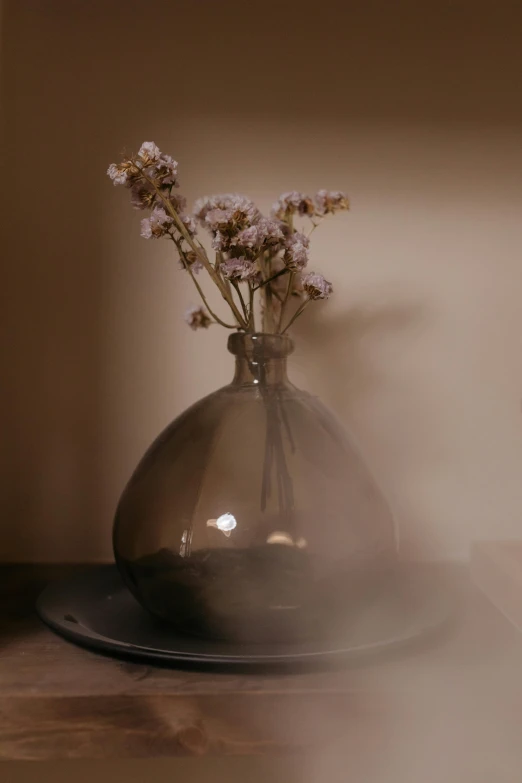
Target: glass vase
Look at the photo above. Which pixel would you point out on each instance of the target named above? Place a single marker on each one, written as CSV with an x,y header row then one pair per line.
x,y
253,517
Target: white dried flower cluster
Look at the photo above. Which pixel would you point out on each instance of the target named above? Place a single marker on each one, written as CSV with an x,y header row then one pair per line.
x,y
151,177
248,237
237,226
240,270
197,317
143,195
224,201
225,224
296,251
202,206
118,173
191,259
325,202
330,201
316,286
189,223
292,203
166,170
263,233
157,225
149,152
150,163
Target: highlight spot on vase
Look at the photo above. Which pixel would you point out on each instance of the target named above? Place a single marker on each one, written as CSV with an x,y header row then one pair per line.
x,y
225,523
184,549
278,537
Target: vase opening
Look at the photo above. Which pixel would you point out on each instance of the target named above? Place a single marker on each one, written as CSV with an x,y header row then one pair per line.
x,y
260,358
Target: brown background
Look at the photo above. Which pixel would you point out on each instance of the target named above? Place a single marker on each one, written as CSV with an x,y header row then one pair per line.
x,y
413,109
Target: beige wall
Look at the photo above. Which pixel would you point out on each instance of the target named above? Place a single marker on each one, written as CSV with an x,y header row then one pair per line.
x,y
415,112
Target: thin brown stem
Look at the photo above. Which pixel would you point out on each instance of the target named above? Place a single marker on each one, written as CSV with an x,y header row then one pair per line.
x,y
269,324
226,281
285,300
269,280
198,287
268,311
251,313
242,301
296,315
314,226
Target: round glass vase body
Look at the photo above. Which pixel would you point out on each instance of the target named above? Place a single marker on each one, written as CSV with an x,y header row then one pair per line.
x,y
252,517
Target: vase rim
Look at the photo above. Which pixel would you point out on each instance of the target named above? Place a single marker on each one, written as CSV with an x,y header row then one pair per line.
x,y
274,346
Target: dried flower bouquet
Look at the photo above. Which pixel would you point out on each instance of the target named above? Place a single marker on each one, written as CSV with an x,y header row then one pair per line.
x,y
253,254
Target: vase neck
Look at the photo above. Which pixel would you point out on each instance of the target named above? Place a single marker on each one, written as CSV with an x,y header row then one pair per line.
x,y
260,358
268,373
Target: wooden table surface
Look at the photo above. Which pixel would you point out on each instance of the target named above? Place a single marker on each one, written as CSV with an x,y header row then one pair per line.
x,y
60,701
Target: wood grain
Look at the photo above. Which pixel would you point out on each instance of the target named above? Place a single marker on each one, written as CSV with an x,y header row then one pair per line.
x,y
60,701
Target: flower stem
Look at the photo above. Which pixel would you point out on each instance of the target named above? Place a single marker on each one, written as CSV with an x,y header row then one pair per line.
x,y
199,289
269,280
268,314
314,226
296,315
285,300
251,313
240,295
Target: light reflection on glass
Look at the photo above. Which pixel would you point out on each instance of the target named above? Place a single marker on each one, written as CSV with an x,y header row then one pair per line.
x,y
225,523
279,537
184,549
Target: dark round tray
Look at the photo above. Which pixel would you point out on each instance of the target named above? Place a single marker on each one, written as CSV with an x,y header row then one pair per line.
x,y
95,609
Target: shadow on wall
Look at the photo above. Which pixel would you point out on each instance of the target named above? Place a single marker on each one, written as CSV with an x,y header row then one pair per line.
x,y
383,405
338,345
